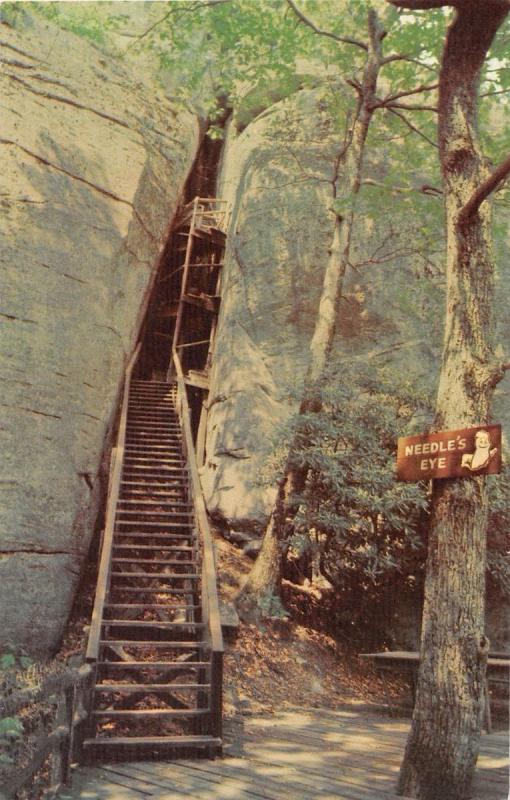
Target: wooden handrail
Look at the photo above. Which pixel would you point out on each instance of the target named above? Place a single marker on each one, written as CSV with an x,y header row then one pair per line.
x,y
210,603
113,496
63,742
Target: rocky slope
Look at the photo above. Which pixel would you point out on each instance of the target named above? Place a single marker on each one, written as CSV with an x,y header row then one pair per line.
x,y
93,164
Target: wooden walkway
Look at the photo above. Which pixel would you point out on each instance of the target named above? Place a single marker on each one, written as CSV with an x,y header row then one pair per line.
x,y
292,755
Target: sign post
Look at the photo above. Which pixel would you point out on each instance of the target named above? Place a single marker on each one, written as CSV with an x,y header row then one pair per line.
x,y
450,454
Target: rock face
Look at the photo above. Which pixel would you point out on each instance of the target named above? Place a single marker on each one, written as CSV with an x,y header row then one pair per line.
x,y
93,164
270,287
275,174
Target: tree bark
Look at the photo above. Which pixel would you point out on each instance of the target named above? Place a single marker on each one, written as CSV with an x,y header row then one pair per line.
x,y
260,595
442,748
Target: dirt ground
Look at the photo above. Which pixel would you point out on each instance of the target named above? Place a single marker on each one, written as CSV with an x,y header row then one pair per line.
x,y
285,664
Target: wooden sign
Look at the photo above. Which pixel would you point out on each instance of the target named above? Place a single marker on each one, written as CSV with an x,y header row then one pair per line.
x,y
450,454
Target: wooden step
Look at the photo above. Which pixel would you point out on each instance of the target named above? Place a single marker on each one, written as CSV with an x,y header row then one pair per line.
x,y
143,606
149,535
153,388
141,513
146,407
154,416
150,590
170,645
155,524
141,449
158,503
172,448
151,713
153,419
147,411
143,472
152,741
166,688
169,666
158,547
159,428
157,458
149,439
132,560
150,392
159,485
167,424
143,398
153,384
145,623
170,576
157,465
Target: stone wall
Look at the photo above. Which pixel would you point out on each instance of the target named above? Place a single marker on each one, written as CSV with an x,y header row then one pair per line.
x,y
93,164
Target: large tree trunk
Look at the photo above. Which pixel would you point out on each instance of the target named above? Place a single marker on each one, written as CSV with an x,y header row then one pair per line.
x,y
260,595
442,748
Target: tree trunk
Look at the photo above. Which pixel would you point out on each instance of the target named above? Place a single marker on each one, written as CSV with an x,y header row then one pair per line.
x,y
443,744
261,590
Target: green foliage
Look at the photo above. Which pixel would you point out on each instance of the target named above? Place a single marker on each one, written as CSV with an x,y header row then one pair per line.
x,y
271,607
79,18
363,526
14,659
10,728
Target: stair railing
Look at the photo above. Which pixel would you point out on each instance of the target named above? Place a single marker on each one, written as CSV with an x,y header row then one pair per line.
x,y
103,577
61,739
210,603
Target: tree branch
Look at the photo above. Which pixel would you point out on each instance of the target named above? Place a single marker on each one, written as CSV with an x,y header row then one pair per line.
x,y
498,91
500,174
173,10
425,5
411,126
424,88
404,57
313,26
421,5
408,107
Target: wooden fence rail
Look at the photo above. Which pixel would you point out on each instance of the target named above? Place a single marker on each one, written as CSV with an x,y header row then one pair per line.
x,y
63,742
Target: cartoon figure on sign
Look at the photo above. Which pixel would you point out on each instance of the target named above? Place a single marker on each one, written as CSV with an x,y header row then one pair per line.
x,y
482,455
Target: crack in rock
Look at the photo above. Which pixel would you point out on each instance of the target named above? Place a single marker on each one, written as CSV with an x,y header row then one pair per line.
x,y
38,551
68,101
31,411
18,50
47,163
234,452
13,317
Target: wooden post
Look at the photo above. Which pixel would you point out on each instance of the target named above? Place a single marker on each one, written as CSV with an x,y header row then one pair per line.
x,y
217,694
202,429
184,280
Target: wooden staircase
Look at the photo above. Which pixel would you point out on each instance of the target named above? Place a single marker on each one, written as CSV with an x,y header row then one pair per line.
x,y
155,638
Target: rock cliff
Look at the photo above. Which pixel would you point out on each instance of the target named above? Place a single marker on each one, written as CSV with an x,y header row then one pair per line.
x,y
93,164
276,174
